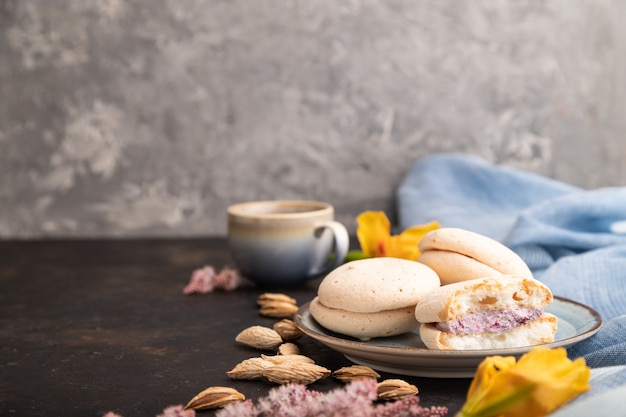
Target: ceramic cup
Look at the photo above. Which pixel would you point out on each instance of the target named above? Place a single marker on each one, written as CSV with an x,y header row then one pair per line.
x,y
285,242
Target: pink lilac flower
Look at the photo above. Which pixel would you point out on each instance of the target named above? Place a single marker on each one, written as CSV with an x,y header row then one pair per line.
x,y
177,411
202,281
228,279
408,407
291,400
238,409
355,399
171,411
205,280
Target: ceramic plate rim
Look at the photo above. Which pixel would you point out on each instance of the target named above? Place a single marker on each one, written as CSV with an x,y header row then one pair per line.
x,y
334,340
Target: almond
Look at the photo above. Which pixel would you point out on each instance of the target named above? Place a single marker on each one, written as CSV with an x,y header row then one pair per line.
x,y
269,296
259,337
250,369
395,389
296,373
287,329
350,373
280,359
278,309
288,349
214,397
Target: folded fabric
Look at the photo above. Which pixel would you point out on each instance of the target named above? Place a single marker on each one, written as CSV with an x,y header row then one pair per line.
x,y
569,225
606,348
468,192
574,240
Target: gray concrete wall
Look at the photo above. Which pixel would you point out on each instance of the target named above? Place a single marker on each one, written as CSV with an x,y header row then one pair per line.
x,y
150,117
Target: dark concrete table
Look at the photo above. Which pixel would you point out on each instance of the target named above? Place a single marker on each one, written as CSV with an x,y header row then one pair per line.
x,y
88,327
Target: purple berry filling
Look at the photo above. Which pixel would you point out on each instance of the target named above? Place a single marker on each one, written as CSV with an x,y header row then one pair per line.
x,y
491,321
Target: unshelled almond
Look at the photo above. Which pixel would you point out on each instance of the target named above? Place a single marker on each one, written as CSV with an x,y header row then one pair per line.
x,y
280,359
278,309
271,296
395,389
351,373
259,337
214,397
287,329
288,349
296,373
250,369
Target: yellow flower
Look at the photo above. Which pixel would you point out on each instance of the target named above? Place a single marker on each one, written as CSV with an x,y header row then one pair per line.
x,y
374,235
539,383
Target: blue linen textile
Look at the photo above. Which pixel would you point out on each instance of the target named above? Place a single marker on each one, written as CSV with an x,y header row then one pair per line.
x,y
574,240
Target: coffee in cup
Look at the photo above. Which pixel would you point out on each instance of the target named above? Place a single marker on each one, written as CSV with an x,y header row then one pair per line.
x,y
285,242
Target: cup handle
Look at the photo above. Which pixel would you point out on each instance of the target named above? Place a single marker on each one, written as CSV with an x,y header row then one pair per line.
x,y
341,241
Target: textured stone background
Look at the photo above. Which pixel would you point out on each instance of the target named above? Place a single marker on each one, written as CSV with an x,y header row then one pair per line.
x,y
150,117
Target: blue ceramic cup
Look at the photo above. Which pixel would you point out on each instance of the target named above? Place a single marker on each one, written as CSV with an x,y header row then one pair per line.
x,y
285,242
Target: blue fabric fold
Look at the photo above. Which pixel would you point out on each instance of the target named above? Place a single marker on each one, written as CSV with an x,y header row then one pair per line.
x,y
574,240
606,348
468,192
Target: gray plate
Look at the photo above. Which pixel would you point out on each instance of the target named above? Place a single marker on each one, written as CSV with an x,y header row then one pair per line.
x,y
407,355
